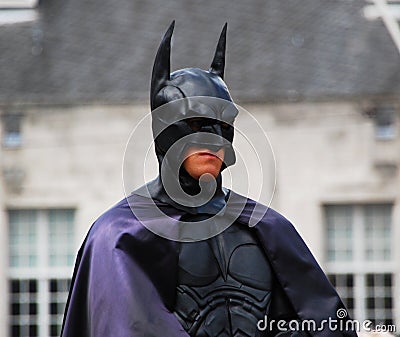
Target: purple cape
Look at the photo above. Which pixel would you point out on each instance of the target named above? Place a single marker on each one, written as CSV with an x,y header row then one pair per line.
x,y
124,280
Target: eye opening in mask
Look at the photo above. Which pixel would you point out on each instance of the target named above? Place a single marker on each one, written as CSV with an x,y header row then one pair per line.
x,y
197,123
224,125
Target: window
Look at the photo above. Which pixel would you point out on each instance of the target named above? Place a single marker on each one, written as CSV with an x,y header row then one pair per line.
x,y
41,253
344,284
18,11
12,130
339,233
379,299
360,259
18,3
385,126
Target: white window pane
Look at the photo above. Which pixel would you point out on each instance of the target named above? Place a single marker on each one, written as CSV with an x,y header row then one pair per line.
x,y
339,221
23,240
61,247
378,222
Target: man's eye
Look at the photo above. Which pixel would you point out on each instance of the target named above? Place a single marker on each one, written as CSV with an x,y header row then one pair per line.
x,y
225,126
195,124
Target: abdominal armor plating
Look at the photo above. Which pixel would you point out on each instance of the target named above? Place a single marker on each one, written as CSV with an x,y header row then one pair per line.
x,y
224,285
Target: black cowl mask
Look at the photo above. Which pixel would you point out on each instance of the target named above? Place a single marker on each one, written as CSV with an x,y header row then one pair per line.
x,y
190,107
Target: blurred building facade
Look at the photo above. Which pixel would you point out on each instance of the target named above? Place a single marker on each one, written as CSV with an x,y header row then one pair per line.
x,y
321,79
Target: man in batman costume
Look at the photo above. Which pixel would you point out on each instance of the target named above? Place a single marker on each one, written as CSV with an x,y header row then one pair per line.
x,y
183,256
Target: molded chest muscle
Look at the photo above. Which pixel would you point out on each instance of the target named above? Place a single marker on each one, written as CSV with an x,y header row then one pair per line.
x,y
224,285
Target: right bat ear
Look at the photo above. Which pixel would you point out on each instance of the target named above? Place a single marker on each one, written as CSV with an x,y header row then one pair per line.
x,y
162,65
218,63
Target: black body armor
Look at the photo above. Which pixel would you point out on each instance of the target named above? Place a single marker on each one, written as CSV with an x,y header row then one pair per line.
x,y
224,285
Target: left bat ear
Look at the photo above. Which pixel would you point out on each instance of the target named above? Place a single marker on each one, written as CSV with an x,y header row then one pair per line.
x,y
162,65
218,63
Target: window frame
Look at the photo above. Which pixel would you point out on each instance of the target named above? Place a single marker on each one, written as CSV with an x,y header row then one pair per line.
x,y
43,272
12,130
359,267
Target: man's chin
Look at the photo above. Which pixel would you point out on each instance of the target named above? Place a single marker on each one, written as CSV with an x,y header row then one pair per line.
x,y
207,177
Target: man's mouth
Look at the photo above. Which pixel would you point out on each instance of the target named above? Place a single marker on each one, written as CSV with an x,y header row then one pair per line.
x,y
210,154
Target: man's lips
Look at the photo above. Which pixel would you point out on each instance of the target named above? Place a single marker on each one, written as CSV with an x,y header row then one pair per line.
x,y
208,154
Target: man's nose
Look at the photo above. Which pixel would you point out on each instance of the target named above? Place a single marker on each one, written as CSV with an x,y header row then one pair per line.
x,y
215,147
214,128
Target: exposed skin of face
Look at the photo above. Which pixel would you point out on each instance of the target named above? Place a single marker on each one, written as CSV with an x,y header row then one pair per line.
x,y
200,161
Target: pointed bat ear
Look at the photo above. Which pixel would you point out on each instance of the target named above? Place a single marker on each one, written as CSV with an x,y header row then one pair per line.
x,y
218,63
162,65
